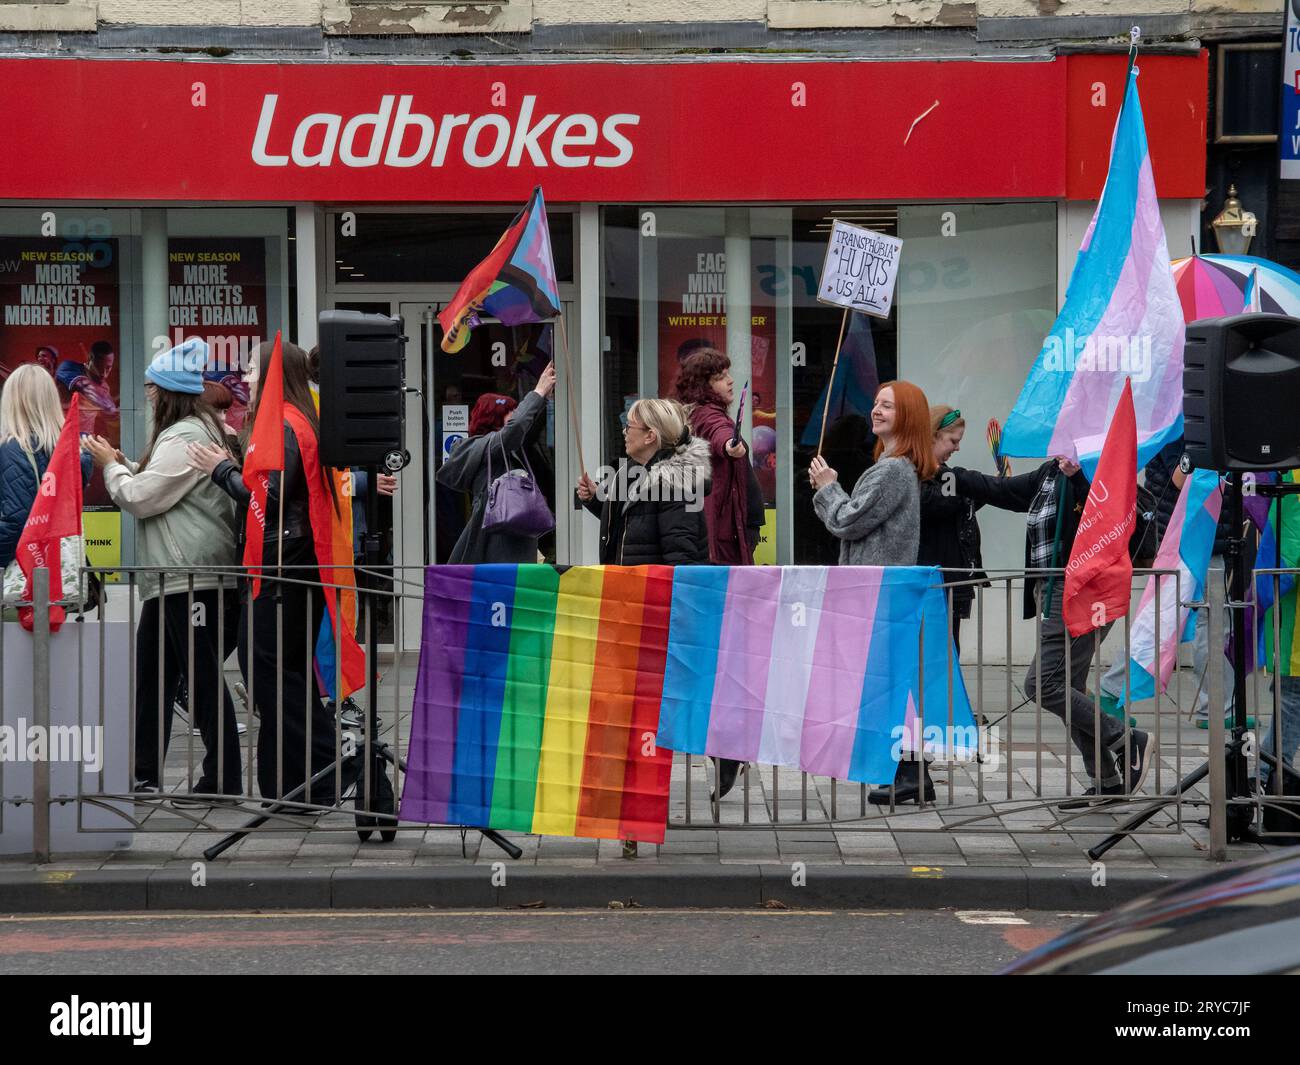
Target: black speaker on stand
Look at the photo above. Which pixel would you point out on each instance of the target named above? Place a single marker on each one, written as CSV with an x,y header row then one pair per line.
x,y
363,425
1241,415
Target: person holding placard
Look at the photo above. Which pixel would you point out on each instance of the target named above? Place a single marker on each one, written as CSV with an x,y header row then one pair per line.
x,y
879,524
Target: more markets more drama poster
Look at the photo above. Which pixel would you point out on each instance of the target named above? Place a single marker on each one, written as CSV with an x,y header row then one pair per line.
x,y
216,290
61,309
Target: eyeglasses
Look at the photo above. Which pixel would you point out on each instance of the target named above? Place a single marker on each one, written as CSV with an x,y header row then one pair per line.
x,y
632,425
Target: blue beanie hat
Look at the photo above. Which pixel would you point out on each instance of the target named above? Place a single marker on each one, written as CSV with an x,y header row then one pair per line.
x,y
180,369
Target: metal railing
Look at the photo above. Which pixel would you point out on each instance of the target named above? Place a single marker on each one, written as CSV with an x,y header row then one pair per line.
x,y
1025,765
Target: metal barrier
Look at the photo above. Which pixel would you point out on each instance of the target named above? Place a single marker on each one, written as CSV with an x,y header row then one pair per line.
x,y
1026,766
1275,746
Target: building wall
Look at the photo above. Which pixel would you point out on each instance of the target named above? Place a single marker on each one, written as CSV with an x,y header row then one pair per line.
x,y
520,16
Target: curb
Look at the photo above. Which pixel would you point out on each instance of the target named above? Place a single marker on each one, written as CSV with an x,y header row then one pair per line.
x,y
255,888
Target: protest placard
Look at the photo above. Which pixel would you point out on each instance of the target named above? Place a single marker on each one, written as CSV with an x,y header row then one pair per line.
x,y
860,270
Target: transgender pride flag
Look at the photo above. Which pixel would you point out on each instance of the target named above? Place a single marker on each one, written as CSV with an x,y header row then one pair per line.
x,y
1186,547
1121,318
811,667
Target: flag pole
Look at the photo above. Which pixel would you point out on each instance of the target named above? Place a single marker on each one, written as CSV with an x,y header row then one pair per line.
x,y
830,385
568,387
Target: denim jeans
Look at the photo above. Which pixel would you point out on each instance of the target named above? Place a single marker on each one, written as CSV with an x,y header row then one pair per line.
x,y
1290,738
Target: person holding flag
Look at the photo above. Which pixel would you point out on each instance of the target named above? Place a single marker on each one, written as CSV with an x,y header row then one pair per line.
x,y
31,421
707,390
184,525
1053,498
289,501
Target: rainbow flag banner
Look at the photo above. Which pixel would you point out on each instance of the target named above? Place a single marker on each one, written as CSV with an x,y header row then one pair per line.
x,y
537,701
813,667
550,701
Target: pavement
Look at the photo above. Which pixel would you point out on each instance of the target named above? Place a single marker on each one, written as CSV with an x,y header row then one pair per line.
x,y
996,839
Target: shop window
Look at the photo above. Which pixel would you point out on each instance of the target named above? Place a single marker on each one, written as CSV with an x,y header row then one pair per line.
x,y
976,296
74,300
69,302
677,279
1246,99
868,356
425,249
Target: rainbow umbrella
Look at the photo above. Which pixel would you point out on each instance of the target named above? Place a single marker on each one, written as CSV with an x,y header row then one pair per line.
x,y
1211,286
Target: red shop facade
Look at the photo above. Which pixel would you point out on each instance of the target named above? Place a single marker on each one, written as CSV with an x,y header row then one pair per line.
x,y
689,201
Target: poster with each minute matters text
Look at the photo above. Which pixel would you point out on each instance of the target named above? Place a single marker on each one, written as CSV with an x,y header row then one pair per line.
x,y
217,291
59,309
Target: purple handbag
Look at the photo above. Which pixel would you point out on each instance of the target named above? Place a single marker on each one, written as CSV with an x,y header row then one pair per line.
x,y
515,504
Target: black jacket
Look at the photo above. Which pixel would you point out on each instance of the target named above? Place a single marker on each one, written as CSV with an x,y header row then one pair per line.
x,y
297,501
658,525
1017,493
950,535
1158,481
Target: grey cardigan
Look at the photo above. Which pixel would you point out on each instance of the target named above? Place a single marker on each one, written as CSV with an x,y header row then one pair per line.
x,y
880,523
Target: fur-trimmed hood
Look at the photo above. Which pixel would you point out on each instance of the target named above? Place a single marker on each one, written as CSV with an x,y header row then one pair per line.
x,y
681,472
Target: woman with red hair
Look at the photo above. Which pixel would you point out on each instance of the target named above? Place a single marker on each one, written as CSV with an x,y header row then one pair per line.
x,y
880,523
498,431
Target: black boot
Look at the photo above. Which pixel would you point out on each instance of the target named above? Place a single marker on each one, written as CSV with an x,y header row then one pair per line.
x,y
382,801
907,781
728,770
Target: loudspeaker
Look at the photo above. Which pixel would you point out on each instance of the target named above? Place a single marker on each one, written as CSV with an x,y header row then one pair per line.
x,y
362,403
1241,393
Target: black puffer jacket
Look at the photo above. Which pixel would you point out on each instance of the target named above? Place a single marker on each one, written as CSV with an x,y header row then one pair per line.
x,y
659,519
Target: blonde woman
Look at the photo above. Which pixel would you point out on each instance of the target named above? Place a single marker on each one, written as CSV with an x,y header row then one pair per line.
x,y
652,510
31,419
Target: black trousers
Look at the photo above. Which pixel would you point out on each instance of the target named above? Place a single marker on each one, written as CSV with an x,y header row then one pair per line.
x,y
165,629
283,754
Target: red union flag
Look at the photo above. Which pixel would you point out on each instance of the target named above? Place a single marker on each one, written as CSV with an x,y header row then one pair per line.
x,y
1099,573
56,513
